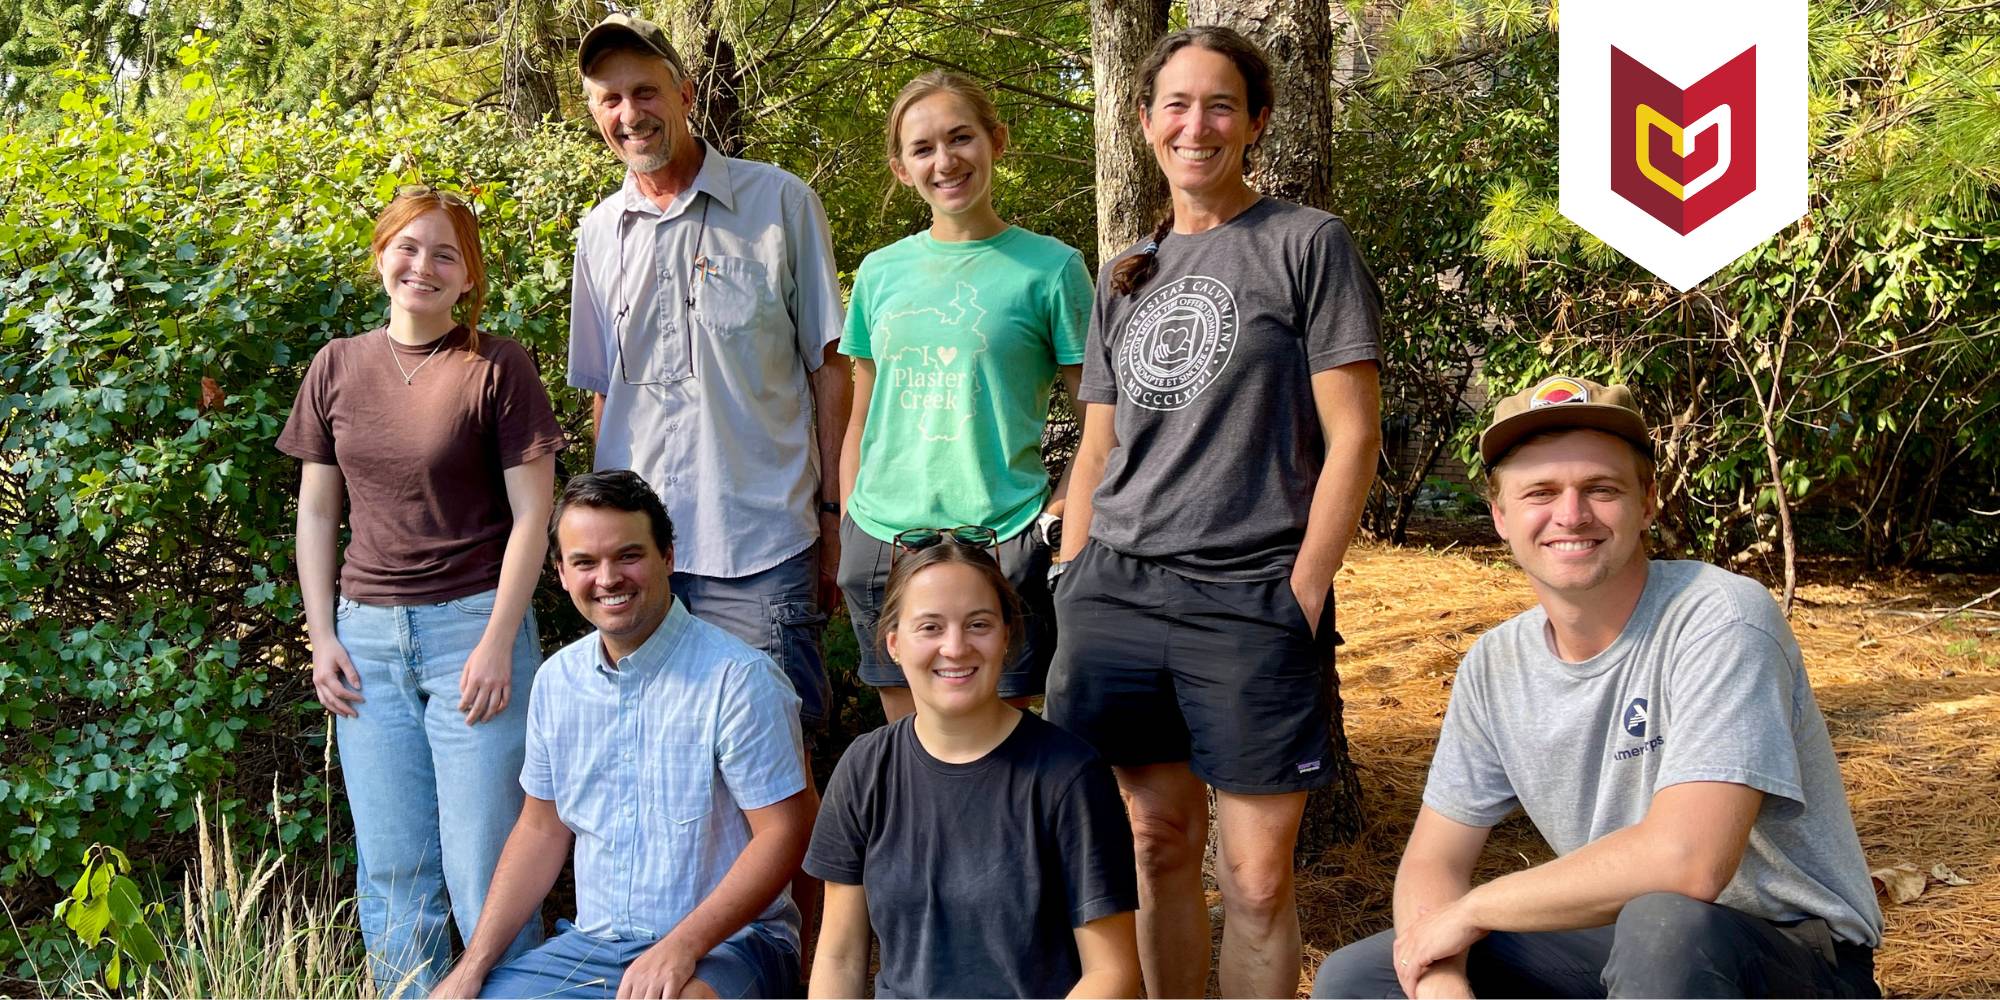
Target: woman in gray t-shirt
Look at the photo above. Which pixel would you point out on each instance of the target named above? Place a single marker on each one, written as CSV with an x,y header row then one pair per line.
x,y
1228,445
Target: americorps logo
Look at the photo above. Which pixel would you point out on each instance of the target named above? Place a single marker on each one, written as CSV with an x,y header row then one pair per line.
x,y
1683,128
1637,720
1634,718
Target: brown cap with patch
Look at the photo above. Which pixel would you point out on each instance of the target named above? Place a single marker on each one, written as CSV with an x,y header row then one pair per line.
x,y
632,32
1564,402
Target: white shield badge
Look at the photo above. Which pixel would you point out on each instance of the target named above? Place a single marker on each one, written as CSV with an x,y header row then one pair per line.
x,y
1683,127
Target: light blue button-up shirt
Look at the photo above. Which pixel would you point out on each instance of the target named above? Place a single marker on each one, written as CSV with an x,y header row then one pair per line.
x,y
710,402
651,763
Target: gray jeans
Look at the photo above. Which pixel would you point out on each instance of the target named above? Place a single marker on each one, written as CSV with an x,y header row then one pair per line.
x,y
1663,945
777,611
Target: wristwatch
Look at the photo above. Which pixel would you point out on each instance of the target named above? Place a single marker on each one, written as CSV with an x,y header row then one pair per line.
x,y
1049,527
829,507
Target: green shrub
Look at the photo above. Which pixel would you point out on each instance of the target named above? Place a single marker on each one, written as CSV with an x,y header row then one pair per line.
x,y
167,279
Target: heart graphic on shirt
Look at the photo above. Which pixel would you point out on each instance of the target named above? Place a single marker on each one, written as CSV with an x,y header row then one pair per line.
x,y
946,354
1177,341
1179,338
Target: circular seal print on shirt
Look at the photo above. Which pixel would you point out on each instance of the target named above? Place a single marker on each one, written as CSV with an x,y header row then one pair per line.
x,y
1177,342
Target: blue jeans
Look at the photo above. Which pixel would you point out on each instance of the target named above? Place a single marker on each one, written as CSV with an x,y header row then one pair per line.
x,y
753,962
777,612
414,770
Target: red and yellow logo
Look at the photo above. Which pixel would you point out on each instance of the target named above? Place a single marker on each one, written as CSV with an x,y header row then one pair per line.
x,y
1558,390
1684,155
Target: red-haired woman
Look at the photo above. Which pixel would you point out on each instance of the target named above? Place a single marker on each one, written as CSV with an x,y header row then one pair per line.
x,y
440,442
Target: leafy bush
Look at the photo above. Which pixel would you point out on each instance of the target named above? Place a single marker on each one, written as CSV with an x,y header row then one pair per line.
x,y
168,279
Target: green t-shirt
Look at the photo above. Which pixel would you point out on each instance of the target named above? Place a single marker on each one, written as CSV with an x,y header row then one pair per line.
x,y
966,340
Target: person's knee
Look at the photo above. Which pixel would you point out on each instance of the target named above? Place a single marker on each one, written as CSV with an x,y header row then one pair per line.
x,y
403,870
1665,944
1671,918
1165,842
695,989
1258,888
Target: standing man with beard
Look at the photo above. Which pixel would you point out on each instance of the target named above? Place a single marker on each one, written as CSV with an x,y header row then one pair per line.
x,y
705,312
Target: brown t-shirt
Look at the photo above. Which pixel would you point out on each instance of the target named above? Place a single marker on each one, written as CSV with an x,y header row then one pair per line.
x,y
422,460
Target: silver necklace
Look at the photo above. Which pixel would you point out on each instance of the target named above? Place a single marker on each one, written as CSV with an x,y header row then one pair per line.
x,y
411,375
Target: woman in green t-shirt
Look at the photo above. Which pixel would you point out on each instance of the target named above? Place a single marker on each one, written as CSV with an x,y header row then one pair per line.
x,y
958,334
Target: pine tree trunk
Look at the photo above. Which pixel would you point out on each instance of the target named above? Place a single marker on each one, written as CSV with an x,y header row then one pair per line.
x,y
1131,194
528,86
1294,161
718,75
719,86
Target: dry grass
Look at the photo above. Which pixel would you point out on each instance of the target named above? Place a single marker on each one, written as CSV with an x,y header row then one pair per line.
x,y
258,931
245,928
1914,712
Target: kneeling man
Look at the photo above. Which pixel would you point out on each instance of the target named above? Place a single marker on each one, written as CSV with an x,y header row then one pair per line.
x,y
1654,721
667,752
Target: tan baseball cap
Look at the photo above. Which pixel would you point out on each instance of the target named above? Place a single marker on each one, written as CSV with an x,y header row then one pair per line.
x,y
1564,402
636,32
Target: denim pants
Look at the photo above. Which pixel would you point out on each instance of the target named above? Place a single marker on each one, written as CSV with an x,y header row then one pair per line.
x,y
753,962
433,798
776,612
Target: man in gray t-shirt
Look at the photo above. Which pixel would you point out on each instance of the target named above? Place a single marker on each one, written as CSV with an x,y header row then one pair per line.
x,y
1655,722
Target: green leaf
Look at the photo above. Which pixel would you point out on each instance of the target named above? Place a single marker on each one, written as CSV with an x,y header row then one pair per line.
x,y
88,920
126,905
139,942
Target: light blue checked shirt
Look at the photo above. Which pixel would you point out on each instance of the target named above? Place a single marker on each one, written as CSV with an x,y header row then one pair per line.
x,y
651,764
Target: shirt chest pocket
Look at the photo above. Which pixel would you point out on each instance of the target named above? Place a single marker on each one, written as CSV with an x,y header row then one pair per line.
x,y
733,295
680,787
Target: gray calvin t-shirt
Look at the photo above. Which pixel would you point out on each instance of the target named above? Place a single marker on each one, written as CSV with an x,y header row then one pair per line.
x,y
1704,684
1210,365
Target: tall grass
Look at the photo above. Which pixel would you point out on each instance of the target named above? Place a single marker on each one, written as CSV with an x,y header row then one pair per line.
x,y
248,929
260,932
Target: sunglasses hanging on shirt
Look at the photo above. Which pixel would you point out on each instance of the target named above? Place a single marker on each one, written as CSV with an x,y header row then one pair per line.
x,y
699,268
969,535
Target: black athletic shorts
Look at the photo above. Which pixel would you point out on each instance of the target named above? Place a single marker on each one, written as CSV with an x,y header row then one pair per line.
x,y
1155,668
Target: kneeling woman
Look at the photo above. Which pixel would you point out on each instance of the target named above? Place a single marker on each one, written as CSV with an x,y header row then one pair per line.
x,y
987,849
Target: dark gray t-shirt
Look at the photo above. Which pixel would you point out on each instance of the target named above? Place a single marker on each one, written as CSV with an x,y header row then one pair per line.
x,y
1704,684
1210,365
977,874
